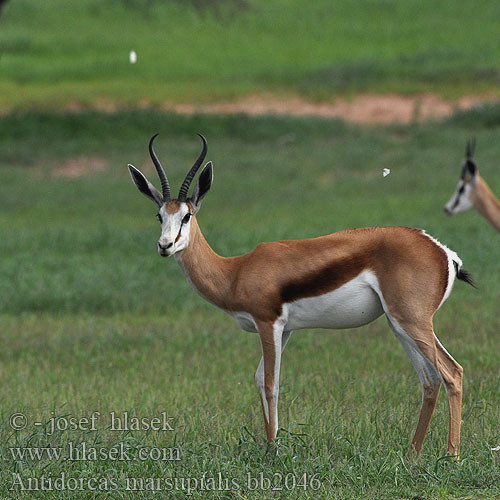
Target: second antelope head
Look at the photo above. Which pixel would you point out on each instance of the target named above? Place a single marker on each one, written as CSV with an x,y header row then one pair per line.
x,y
175,214
464,196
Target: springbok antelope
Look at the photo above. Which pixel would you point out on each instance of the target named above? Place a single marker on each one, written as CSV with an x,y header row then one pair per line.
x,y
341,280
472,191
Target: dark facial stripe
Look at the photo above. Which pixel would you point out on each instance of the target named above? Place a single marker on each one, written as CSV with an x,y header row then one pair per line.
x,y
180,229
179,235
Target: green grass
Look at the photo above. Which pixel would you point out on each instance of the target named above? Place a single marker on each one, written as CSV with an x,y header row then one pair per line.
x,y
57,53
93,320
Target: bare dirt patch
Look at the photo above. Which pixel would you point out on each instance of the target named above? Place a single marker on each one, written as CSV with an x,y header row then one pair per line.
x,y
367,109
82,165
363,109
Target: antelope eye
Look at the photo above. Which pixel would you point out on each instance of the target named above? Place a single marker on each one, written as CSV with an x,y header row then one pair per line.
x,y
158,216
186,218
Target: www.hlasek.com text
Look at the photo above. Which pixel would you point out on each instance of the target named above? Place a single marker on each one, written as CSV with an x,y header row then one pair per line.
x,y
85,452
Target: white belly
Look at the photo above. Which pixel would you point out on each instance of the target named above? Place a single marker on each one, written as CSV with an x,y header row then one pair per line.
x,y
353,304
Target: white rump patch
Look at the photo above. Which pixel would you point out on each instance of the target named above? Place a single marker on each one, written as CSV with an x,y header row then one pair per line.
x,y
452,257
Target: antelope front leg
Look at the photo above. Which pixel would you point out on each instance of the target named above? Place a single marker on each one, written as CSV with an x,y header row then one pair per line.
x,y
273,341
260,379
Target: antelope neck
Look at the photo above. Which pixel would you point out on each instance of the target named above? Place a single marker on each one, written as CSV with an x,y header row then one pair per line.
x,y
488,205
209,273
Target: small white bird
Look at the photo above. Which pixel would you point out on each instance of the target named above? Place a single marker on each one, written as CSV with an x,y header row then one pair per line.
x,y
132,57
386,172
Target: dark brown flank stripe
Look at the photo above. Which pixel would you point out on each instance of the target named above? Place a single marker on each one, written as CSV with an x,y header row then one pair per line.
x,y
326,279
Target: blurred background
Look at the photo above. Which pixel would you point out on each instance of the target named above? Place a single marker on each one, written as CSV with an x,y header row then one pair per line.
x,y
304,104
72,55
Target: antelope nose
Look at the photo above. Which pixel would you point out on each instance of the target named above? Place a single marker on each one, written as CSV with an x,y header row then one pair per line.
x,y
164,247
447,210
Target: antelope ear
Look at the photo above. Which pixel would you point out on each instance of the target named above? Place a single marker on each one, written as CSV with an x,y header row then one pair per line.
x,y
144,186
471,168
470,148
203,185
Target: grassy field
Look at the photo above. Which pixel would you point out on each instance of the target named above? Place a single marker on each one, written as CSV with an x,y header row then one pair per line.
x,y
93,320
57,53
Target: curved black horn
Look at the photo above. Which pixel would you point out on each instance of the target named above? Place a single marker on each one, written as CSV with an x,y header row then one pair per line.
x,y
165,187
189,177
471,147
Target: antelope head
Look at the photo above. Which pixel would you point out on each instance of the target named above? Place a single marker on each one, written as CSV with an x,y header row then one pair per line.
x,y
175,214
464,197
